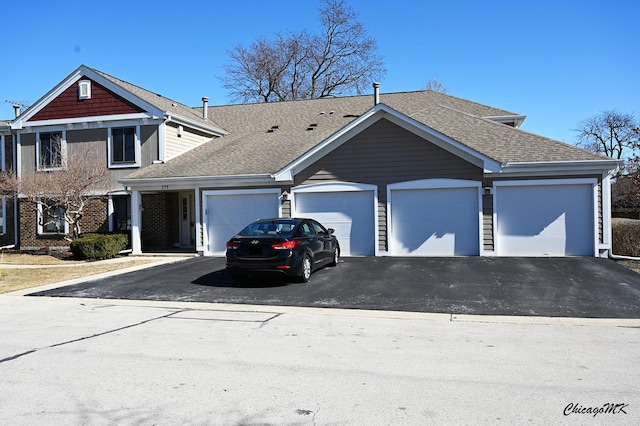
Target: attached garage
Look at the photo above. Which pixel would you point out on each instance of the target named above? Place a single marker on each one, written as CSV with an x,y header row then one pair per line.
x,y
227,212
546,218
350,209
434,217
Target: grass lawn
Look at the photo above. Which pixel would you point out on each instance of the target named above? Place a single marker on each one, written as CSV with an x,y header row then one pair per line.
x,y
49,269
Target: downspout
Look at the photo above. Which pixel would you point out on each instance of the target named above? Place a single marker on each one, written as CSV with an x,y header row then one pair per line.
x,y
619,257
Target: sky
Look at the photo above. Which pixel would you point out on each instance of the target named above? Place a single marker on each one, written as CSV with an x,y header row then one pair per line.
x,y
556,61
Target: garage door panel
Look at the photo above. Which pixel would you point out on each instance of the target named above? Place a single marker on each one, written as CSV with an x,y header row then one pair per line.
x,y
349,213
545,220
435,222
228,214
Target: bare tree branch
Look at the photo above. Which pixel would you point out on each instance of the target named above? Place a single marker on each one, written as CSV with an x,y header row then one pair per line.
x,y
610,133
61,194
342,59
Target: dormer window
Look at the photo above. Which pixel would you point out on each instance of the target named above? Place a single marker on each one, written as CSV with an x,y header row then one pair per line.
x,y
84,89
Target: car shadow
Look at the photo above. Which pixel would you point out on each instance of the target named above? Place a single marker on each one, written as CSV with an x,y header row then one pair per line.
x,y
221,278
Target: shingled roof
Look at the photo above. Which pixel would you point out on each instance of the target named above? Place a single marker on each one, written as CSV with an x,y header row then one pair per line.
x,y
165,104
265,137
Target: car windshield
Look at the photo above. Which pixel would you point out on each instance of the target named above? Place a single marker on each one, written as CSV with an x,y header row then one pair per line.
x,y
271,227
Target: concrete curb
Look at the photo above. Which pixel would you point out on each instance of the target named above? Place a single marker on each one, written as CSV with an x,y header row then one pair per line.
x,y
391,315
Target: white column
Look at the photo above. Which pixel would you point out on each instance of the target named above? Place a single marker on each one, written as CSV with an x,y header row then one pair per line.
x,y
136,222
199,242
110,212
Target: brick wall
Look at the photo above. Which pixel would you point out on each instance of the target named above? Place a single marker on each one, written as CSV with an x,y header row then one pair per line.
x,y
159,220
95,219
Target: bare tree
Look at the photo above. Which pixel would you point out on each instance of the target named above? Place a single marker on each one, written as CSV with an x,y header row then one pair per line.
x,y
611,133
616,135
436,85
60,195
341,59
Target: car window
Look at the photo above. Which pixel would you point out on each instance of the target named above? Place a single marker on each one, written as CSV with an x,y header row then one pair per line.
x,y
307,229
319,228
257,229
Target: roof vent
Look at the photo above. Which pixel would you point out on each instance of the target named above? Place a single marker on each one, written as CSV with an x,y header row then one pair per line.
x,y
376,93
205,107
84,89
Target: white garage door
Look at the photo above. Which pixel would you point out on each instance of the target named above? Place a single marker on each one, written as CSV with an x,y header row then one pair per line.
x,y
434,221
350,213
545,220
229,212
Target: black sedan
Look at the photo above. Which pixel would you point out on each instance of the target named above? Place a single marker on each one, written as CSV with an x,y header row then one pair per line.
x,y
293,247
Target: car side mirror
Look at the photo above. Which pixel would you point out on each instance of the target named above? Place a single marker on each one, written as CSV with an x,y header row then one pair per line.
x,y
331,230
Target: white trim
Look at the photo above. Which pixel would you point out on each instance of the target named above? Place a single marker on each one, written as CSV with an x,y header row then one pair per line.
x,y
63,147
137,145
555,168
517,120
3,218
606,215
200,246
162,141
205,217
179,183
342,187
2,153
538,182
213,130
110,212
97,122
84,89
435,184
136,221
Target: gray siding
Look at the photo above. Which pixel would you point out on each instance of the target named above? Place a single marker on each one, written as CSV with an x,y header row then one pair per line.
x,y
149,144
93,142
28,148
383,154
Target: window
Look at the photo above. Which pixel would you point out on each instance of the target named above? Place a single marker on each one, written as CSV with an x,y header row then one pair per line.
x,y
51,219
124,146
50,149
121,213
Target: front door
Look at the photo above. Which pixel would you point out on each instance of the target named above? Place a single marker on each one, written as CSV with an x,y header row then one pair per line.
x,y
187,220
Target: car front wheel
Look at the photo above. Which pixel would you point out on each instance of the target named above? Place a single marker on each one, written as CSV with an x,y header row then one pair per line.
x,y
305,270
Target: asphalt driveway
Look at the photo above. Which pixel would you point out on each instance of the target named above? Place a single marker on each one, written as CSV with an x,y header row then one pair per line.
x,y
556,287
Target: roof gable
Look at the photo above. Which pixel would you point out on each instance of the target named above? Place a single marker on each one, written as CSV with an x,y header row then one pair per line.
x,y
102,102
111,99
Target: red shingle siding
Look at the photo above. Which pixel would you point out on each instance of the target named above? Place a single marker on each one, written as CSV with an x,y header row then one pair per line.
x,y
102,102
